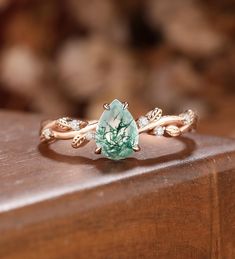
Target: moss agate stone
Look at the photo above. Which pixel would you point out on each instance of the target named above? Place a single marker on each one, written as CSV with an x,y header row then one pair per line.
x,y
116,132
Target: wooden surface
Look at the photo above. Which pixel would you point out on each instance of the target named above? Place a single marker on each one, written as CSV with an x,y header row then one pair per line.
x,y
174,199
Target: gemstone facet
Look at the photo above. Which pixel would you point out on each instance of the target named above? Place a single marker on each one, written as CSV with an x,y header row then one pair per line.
x,y
116,132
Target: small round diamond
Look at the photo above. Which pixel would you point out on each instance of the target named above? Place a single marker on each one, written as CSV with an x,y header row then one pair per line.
x,y
47,133
75,124
90,136
159,131
142,121
187,118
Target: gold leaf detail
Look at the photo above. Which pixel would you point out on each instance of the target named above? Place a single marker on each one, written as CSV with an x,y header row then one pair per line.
x,y
173,130
63,123
154,114
78,141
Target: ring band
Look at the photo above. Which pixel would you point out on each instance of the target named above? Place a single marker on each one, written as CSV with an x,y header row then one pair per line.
x,y
116,133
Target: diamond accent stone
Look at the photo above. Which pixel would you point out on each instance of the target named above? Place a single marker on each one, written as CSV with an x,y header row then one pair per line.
x,y
143,121
117,132
187,118
75,124
159,131
90,135
47,133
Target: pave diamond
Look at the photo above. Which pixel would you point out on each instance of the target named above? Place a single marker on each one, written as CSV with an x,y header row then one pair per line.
x,y
75,124
143,121
159,131
117,132
47,133
187,118
90,135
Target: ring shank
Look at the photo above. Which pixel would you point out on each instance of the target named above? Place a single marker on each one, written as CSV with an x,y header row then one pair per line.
x,y
164,121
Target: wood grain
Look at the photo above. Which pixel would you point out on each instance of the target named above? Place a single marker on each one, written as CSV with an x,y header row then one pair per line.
x,y
174,199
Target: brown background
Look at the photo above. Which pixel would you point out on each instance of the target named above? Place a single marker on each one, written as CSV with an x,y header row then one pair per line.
x,y
69,57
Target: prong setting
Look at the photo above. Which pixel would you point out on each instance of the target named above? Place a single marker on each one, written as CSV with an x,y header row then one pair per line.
x,y
136,148
106,106
125,105
98,150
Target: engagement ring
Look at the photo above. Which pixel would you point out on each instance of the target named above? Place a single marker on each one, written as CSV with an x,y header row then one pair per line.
x,y
116,133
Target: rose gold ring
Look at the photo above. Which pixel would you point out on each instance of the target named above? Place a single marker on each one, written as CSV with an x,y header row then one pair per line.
x,y
116,133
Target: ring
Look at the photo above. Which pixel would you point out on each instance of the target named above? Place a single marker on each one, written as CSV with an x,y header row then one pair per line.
x,y
116,133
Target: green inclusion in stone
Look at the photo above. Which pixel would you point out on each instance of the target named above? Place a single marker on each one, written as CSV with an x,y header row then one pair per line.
x,y
116,132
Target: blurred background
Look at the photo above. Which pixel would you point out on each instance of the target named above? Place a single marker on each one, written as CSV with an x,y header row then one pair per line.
x,y
69,57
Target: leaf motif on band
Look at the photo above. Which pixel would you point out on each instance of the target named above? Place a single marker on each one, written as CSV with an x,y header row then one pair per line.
x,y
63,123
78,141
154,115
173,130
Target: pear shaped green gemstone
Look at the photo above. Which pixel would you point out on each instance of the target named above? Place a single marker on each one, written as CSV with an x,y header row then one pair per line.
x,y
116,132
